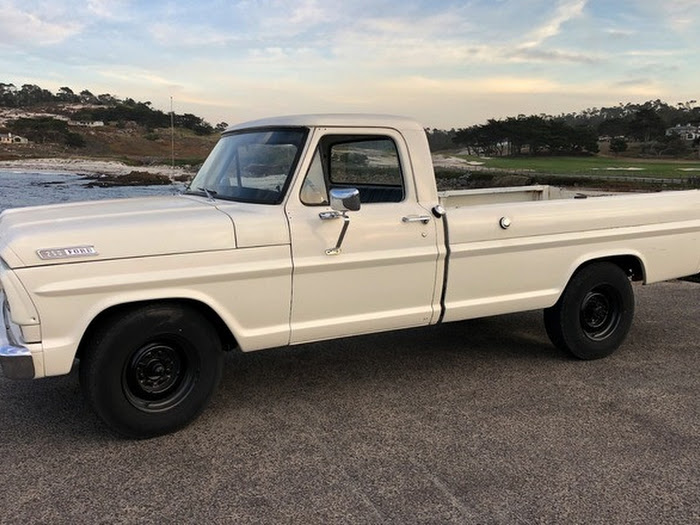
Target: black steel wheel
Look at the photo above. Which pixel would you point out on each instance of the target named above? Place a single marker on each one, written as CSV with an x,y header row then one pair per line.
x,y
151,370
594,313
160,374
601,312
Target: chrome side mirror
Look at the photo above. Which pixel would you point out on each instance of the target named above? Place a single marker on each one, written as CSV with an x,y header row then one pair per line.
x,y
345,199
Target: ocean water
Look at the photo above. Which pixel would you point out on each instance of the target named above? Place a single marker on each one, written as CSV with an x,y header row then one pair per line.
x,y
31,189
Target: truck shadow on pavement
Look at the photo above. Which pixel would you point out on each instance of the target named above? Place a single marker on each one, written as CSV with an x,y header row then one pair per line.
x,y
383,364
54,408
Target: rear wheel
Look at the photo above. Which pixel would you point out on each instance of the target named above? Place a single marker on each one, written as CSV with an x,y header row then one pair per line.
x,y
152,370
594,314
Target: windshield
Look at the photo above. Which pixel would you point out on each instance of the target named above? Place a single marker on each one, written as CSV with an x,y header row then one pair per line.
x,y
251,166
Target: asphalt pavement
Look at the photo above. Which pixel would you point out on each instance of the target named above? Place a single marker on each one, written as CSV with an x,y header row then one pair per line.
x,y
473,422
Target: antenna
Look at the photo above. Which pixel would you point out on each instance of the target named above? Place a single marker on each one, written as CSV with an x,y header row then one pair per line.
x,y
172,135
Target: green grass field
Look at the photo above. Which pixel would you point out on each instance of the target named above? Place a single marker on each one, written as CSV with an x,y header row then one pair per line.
x,y
600,166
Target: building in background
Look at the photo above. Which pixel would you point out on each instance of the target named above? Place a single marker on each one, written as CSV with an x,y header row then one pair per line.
x,y
687,132
9,138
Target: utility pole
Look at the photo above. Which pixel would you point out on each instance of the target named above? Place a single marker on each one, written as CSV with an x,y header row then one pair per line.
x,y
172,135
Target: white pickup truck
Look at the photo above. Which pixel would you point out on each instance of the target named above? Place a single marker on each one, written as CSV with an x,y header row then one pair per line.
x,y
306,228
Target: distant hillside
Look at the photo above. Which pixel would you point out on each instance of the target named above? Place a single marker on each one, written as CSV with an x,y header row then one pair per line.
x,y
85,106
69,124
652,129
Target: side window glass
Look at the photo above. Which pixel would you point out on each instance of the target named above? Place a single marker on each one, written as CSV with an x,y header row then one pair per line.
x,y
314,191
371,165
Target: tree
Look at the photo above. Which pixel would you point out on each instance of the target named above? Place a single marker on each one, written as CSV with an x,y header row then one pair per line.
x,y
584,139
74,140
537,133
195,123
87,98
613,127
673,145
618,145
479,140
439,139
106,98
8,95
40,130
646,125
65,94
31,94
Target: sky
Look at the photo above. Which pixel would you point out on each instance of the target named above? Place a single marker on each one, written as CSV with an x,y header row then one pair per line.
x,y
445,63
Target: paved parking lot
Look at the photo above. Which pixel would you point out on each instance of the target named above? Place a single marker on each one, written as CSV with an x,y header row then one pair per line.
x,y
473,422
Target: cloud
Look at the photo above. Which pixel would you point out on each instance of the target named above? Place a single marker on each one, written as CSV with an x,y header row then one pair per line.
x,y
658,53
565,12
634,82
635,87
307,13
194,36
248,57
540,55
19,26
620,33
278,19
519,86
679,16
109,9
469,86
244,25
132,74
682,14
365,35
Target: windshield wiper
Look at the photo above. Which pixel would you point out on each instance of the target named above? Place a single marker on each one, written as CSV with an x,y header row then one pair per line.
x,y
209,193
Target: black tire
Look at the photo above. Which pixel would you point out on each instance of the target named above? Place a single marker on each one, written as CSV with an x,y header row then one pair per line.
x,y
594,314
151,370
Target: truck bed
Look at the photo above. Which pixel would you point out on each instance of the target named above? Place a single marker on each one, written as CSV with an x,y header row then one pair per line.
x,y
459,198
508,252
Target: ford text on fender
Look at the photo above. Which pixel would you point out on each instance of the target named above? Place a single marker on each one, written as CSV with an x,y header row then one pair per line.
x,y
306,228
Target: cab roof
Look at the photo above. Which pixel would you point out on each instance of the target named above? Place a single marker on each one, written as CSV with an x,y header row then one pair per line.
x,y
332,120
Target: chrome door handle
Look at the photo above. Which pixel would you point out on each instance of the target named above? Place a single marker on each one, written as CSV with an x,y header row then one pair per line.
x,y
425,219
329,215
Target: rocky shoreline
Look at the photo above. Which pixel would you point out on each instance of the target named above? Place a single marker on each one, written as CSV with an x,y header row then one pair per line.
x,y
103,173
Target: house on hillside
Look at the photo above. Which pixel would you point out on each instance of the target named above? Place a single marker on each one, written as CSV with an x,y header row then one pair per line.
x,y
687,132
9,138
86,123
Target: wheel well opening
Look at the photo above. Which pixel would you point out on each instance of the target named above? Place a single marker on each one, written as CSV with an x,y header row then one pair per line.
x,y
228,341
631,265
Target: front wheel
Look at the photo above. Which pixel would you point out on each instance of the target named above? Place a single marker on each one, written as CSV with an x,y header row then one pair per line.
x,y
594,314
151,370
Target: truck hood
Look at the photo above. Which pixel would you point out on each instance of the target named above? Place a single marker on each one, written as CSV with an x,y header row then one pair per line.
x,y
114,229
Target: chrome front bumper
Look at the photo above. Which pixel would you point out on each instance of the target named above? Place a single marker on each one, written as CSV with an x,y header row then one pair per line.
x,y
16,361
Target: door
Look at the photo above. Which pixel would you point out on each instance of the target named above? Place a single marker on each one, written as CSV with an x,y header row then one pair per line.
x,y
383,276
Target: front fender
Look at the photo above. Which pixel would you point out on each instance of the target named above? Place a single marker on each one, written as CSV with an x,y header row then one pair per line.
x,y
249,289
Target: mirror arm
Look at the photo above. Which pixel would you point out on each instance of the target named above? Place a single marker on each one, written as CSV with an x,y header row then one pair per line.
x,y
342,200
346,223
